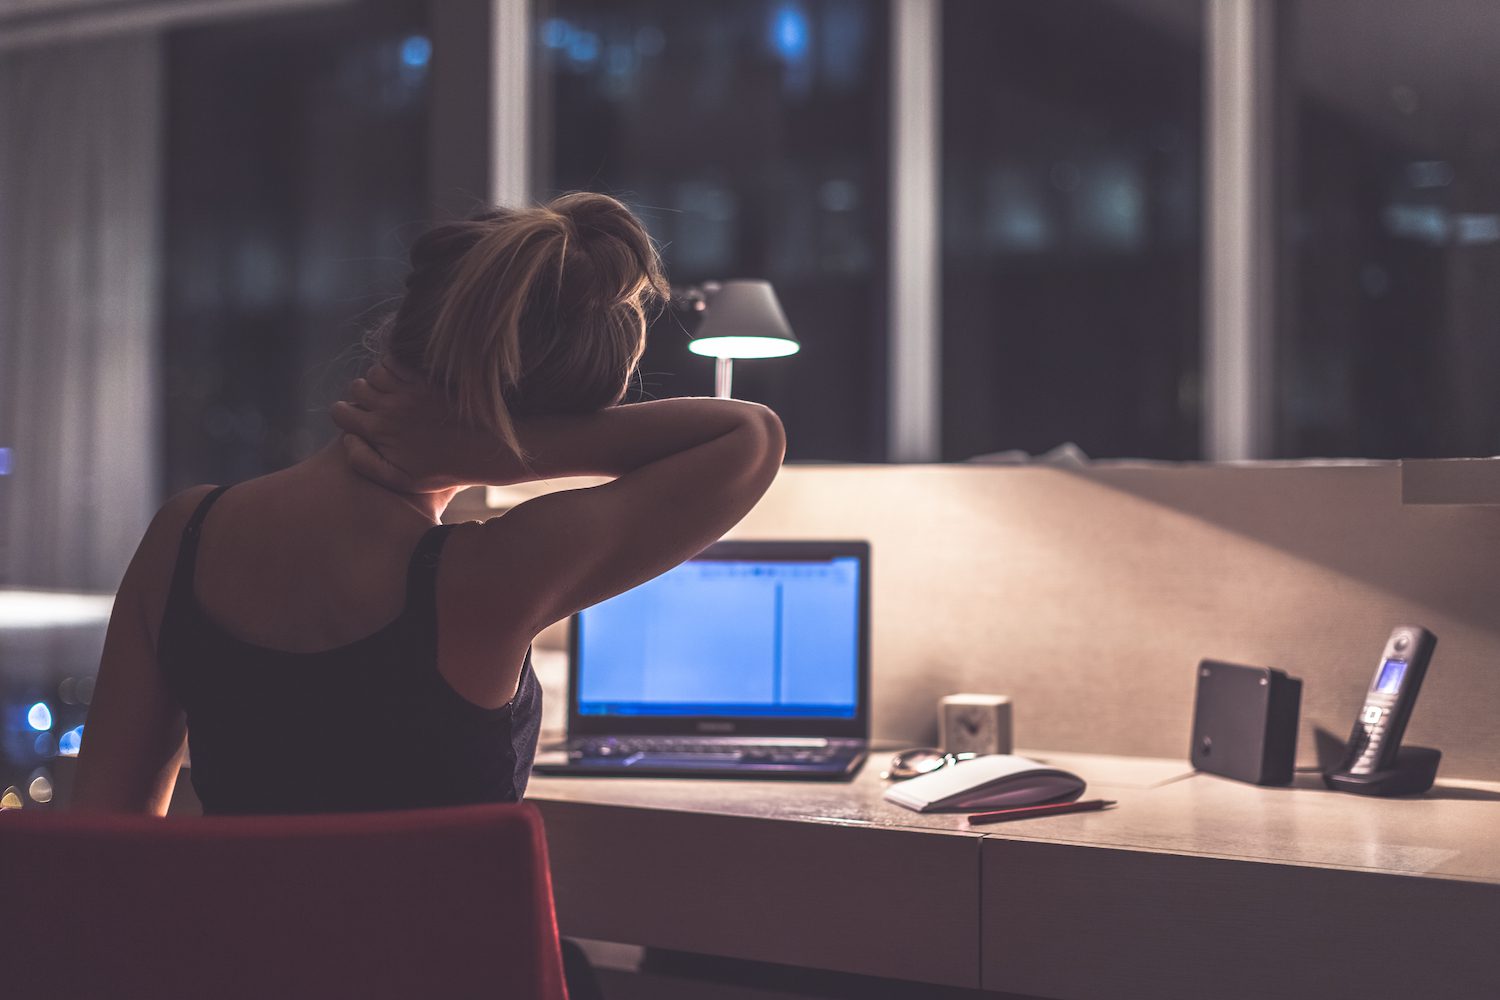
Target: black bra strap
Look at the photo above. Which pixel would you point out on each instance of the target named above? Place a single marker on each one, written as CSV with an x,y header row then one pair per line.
x,y
196,521
187,550
421,580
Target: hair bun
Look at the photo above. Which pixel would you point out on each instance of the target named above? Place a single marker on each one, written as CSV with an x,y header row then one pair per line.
x,y
445,243
589,208
613,250
524,311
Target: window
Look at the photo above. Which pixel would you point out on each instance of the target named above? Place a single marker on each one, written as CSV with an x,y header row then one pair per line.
x,y
1071,227
751,137
295,177
1390,229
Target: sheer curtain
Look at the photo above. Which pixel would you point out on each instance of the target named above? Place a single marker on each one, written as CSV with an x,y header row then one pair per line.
x,y
79,151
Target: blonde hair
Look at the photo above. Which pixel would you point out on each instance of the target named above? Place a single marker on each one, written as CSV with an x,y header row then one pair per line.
x,y
531,311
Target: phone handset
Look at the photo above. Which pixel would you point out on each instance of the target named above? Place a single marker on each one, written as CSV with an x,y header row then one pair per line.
x,y
1376,739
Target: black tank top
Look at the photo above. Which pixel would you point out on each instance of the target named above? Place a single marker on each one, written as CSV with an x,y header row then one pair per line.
x,y
368,726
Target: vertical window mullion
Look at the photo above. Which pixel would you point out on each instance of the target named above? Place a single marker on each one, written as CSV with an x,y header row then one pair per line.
x,y
915,341
1238,252
510,102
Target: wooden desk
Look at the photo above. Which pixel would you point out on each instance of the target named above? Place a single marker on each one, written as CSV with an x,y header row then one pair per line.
x,y
1194,887
804,873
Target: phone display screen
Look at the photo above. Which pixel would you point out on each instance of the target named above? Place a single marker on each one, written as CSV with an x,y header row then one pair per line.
x,y
1391,672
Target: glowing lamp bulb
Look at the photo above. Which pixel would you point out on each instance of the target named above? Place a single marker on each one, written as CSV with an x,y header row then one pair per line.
x,y
744,347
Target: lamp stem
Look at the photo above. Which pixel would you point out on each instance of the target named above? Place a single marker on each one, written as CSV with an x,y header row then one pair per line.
x,y
723,377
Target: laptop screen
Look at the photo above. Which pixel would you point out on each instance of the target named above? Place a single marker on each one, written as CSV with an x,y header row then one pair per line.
x,y
745,630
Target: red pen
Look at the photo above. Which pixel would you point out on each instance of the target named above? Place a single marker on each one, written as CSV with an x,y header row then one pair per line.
x,y
1026,812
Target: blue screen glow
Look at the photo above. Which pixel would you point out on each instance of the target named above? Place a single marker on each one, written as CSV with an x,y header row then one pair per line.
x,y
1391,672
718,637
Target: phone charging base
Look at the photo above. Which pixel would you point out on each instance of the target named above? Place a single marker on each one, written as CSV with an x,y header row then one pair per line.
x,y
1412,774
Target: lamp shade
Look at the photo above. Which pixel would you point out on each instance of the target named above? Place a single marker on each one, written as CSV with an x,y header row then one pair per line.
x,y
744,320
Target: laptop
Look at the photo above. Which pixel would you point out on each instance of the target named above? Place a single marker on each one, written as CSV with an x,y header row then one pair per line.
x,y
750,660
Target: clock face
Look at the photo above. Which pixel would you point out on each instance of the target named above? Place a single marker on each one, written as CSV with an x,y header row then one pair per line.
x,y
973,724
973,730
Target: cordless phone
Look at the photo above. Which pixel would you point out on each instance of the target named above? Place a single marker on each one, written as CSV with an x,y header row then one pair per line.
x,y
1376,739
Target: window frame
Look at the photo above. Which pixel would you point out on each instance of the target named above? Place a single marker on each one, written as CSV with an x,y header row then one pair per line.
x,y
1237,415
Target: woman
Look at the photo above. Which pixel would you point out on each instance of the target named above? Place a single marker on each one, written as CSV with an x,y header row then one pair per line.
x,y
318,637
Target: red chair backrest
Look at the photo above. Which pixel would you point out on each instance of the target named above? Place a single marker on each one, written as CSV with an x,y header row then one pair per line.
x,y
428,903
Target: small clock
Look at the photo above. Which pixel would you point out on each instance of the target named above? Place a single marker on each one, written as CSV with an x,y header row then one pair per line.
x,y
975,723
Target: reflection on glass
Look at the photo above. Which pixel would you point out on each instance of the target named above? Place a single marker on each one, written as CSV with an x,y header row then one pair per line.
x,y
751,137
40,789
1071,137
69,743
1390,237
39,717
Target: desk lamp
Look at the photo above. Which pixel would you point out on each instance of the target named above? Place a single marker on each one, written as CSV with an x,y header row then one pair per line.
x,y
740,319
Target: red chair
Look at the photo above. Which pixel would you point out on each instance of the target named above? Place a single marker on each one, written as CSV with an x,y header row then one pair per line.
x,y
428,903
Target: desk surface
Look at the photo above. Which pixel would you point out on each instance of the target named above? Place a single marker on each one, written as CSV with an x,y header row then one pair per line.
x,y
1194,886
1164,807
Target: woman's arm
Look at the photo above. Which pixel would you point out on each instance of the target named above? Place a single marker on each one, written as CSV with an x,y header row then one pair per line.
x,y
402,434
135,735
686,470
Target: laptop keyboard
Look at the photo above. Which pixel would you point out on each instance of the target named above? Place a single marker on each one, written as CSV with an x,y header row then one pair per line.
x,y
781,752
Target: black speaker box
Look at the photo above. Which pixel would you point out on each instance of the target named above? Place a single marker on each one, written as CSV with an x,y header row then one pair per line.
x,y
1245,723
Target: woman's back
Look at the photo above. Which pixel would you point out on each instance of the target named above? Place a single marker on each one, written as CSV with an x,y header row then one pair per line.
x,y
295,700
308,558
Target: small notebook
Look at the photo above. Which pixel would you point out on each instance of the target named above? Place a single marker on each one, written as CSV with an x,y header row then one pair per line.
x,y
995,781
